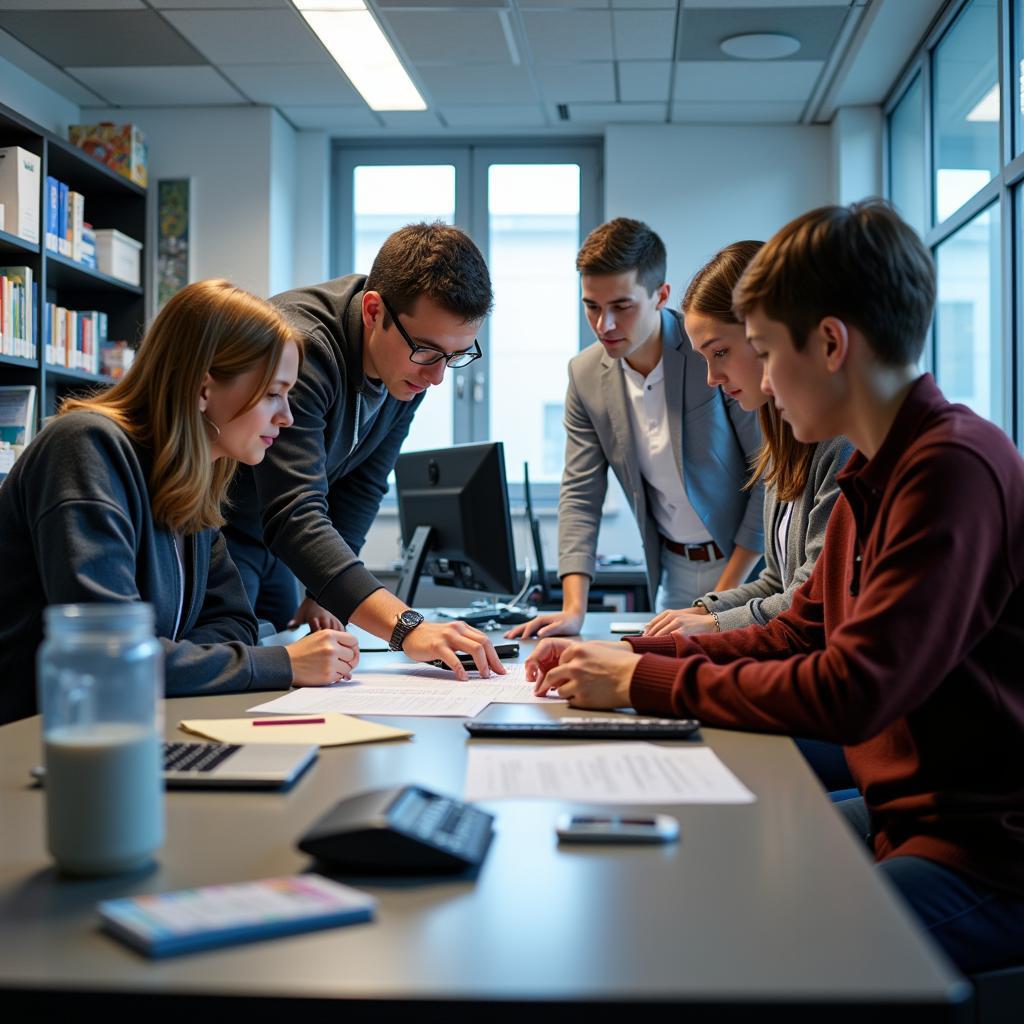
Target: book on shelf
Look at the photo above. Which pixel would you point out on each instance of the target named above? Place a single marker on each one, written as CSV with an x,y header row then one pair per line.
x,y
52,214
76,217
63,245
17,293
74,338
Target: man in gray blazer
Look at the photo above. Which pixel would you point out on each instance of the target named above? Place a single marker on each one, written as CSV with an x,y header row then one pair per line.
x,y
638,402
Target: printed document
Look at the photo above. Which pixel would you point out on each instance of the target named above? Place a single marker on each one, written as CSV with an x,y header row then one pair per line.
x,y
511,688
360,699
602,773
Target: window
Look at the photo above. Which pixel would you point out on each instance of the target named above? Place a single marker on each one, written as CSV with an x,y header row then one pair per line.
x,y
966,107
528,209
907,173
951,130
969,365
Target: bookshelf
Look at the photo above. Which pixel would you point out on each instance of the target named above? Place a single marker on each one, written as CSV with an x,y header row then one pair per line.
x,y
111,201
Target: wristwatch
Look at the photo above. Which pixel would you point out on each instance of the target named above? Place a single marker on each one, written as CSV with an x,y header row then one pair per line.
x,y
406,623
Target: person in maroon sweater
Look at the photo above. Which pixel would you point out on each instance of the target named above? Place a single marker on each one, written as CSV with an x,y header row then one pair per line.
x,y
906,643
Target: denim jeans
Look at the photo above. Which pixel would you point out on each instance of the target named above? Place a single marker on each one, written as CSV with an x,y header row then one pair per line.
x,y
269,584
980,928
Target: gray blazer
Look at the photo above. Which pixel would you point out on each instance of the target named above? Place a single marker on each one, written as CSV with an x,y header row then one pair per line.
x,y
772,592
713,439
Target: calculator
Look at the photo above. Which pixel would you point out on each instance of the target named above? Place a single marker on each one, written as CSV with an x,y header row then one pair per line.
x,y
408,830
622,727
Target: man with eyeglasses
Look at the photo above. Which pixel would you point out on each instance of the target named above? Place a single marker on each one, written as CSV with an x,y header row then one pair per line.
x,y
374,344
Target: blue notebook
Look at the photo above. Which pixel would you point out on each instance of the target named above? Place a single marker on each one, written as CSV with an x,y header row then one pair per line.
x,y
164,924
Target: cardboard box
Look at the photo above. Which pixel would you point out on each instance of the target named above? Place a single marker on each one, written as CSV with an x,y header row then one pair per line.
x,y
122,147
19,192
118,255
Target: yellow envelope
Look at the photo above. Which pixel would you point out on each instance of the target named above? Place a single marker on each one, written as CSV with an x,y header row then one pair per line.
x,y
335,731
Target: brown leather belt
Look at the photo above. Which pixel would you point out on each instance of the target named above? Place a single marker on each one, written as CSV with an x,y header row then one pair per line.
x,y
708,552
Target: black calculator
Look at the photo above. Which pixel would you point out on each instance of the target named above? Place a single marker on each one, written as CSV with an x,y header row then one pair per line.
x,y
408,830
624,727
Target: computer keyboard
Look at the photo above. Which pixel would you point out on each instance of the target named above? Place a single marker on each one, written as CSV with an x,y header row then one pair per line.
x,y
623,728
196,757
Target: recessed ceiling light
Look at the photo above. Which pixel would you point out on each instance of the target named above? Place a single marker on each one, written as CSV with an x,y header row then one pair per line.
x,y
354,39
760,46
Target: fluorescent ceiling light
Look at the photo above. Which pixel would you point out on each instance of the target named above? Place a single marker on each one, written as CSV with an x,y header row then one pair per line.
x,y
987,108
760,46
355,40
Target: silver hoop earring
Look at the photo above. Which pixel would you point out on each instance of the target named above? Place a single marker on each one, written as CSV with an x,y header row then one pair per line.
x,y
210,423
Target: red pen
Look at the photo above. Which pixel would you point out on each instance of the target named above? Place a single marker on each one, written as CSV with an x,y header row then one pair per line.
x,y
289,721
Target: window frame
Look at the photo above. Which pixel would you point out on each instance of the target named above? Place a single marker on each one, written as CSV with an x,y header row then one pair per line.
x,y
471,159
1006,190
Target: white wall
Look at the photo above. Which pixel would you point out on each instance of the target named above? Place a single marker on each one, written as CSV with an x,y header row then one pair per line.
x,y
702,187
857,153
312,207
30,98
283,179
226,151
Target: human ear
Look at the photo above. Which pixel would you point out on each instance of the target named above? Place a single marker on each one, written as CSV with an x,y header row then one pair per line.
x,y
204,392
371,309
835,342
663,294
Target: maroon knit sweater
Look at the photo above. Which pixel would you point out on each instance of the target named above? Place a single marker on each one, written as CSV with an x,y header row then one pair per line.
x,y
906,644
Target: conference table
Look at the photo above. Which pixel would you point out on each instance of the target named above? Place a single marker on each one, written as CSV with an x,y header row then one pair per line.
x,y
772,904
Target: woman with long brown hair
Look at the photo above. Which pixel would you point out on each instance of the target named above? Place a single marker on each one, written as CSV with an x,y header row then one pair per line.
x,y
119,498
800,479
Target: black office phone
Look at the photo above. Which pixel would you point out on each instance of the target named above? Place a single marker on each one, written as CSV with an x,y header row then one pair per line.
x,y
406,830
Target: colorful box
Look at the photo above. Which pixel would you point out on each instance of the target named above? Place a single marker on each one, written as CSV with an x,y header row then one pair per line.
x,y
122,147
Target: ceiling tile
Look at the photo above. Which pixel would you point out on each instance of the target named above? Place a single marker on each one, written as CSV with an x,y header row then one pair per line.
x,y
569,35
409,120
159,87
644,80
292,84
724,4
478,83
565,83
617,113
667,4
766,81
43,71
326,118
701,31
214,4
644,35
71,5
568,4
509,115
737,113
449,37
100,38
249,37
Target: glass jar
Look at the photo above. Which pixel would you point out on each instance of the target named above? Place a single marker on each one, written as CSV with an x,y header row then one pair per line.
x,y
100,678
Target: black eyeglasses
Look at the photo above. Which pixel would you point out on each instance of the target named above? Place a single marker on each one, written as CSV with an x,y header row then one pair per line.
x,y
426,356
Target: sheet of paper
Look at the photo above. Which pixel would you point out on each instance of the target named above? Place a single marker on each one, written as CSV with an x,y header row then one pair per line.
x,y
335,731
367,641
511,688
602,773
360,699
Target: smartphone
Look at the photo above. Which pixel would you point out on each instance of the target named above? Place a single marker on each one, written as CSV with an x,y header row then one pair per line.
x,y
584,828
504,651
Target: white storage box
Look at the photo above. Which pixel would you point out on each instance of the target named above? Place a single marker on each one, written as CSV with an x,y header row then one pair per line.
x,y
19,192
118,255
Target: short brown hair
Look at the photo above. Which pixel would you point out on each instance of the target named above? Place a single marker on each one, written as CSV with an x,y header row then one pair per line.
x,y
622,245
435,260
208,327
860,263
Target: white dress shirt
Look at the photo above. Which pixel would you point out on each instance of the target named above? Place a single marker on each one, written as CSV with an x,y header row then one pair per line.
x,y
676,518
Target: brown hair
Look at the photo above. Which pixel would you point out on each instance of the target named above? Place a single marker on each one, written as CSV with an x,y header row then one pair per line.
x,y
783,461
859,263
208,327
435,260
622,245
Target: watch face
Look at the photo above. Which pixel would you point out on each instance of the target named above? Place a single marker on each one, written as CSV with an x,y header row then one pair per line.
x,y
410,618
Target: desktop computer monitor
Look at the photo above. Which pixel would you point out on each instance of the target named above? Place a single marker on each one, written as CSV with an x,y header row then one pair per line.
x,y
455,520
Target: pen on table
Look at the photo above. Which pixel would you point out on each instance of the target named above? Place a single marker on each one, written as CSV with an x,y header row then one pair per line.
x,y
289,721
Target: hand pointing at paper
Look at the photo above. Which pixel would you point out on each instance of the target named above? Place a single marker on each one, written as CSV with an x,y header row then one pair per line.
x,y
592,675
